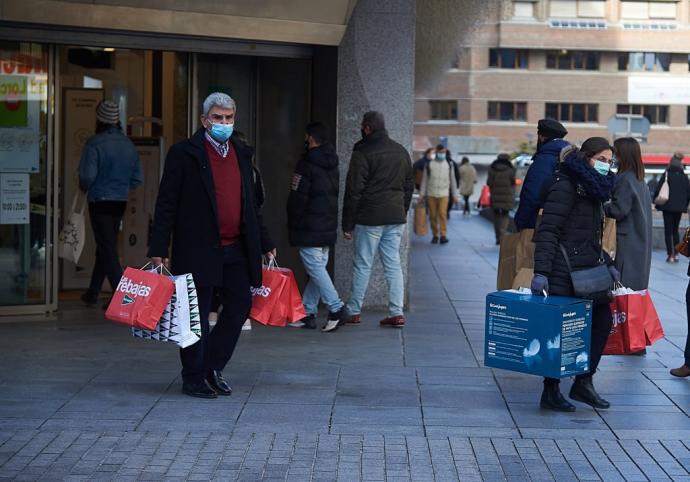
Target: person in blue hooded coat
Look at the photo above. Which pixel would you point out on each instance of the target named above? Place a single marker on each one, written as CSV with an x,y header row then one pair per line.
x,y
550,143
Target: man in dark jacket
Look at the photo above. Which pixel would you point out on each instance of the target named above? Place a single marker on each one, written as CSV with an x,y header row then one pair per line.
x,y
377,196
550,142
313,223
207,205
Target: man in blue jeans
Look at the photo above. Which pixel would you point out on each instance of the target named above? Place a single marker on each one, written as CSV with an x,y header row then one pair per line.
x,y
313,223
377,196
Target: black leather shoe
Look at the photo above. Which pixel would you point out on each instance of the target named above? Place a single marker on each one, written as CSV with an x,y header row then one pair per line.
x,y
583,391
309,322
444,240
434,240
218,383
199,390
552,399
89,299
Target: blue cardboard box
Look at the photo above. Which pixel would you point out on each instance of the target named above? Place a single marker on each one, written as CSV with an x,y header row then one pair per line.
x,y
537,335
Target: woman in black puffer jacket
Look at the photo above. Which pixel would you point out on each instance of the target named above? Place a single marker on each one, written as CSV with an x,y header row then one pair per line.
x,y
573,217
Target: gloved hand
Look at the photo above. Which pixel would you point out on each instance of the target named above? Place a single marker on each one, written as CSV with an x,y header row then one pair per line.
x,y
615,274
539,284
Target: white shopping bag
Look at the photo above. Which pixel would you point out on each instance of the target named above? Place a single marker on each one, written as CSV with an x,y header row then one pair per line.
x,y
181,321
72,238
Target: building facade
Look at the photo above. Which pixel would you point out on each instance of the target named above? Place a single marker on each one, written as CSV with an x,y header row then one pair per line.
x,y
577,61
285,64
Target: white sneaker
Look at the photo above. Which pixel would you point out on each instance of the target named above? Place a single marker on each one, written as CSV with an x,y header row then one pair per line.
x,y
296,324
331,325
247,325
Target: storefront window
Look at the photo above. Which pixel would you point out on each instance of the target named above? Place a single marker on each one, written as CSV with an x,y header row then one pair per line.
x,y
23,172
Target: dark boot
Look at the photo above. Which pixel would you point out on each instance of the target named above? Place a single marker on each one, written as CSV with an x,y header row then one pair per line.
x,y
552,399
583,391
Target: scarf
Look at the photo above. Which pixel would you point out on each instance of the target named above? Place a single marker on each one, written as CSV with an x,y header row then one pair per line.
x,y
594,184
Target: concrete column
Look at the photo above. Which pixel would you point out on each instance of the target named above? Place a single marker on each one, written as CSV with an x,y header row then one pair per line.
x,y
375,72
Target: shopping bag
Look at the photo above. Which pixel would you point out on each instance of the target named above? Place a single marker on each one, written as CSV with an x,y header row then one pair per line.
x,y
664,192
608,240
507,261
652,324
524,251
181,320
628,310
523,278
485,197
140,298
421,225
72,238
265,297
289,307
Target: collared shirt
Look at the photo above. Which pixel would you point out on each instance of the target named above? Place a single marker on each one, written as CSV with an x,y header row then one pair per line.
x,y
221,148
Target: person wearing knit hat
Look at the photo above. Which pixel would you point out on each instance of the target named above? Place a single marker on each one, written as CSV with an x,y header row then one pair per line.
x,y
550,142
108,169
108,112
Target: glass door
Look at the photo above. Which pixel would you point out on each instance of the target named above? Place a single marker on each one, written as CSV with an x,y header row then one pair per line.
x,y
25,174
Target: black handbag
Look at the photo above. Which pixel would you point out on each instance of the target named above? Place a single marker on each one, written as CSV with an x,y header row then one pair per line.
x,y
595,283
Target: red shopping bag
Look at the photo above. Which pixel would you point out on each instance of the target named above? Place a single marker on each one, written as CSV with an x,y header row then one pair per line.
x,y
485,197
265,298
628,331
140,298
289,307
652,324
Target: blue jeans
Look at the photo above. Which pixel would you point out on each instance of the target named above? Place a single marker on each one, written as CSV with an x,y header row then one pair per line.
x,y
385,240
320,286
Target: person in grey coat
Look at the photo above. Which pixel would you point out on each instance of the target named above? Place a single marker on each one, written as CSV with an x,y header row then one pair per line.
x,y
631,207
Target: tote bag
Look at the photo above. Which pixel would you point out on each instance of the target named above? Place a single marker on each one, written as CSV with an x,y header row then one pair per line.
x,y
72,238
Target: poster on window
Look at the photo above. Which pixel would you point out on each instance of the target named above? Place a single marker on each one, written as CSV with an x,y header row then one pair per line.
x,y
20,106
14,198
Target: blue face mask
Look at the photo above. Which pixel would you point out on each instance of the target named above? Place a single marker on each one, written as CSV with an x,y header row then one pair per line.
x,y
221,132
440,156
602,168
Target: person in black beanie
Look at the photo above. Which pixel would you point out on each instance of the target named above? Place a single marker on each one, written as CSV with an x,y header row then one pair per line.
x,y
550,143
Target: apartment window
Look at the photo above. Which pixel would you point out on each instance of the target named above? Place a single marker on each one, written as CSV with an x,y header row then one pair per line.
x,y
657,114
577,8
572,112
508,58
523,9
644,61
444,109
572,60
661,9
507,111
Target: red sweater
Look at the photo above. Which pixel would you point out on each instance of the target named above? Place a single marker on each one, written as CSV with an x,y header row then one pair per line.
x,y
227,185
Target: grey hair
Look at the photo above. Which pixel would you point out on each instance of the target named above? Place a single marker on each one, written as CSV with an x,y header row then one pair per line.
x,y
218,99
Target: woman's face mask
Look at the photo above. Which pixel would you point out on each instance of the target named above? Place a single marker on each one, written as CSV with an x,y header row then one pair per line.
x,y
440,156
601,162
601,167
431,156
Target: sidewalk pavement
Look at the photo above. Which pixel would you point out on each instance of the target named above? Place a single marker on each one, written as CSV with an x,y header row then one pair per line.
x,y
80,399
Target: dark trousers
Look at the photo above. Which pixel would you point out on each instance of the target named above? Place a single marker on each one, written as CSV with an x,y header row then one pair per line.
x,y
602,322
687,340
105,217
216,347
466,209
671,224
501,223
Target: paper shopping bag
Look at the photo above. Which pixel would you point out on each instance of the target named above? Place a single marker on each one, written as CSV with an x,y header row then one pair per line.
x,y
181,321
608,240
265,297
72,238
140,298
652,324
523,278
524,251
628,331
421,225
289,307
506,261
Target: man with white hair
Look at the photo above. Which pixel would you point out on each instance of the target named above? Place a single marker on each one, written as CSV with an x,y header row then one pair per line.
x,y
207,205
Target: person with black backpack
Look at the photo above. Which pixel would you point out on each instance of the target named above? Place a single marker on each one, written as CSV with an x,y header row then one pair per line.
x,y
439,180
